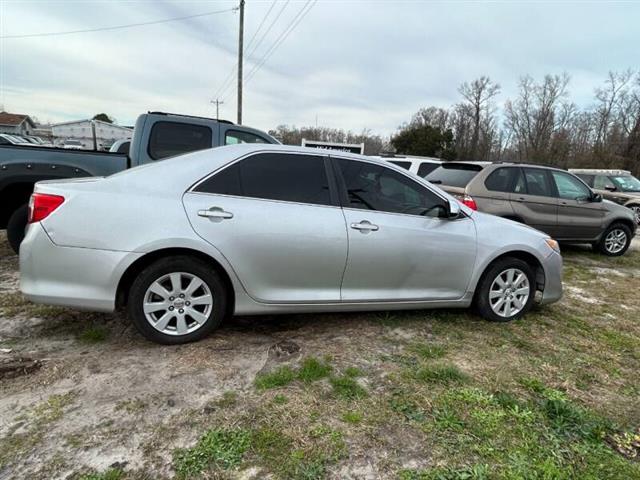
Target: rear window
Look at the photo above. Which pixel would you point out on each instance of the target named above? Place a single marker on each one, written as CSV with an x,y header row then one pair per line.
x,y
426,168
172,138
453,175
500,180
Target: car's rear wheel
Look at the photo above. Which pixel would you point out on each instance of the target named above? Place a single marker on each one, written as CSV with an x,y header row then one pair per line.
x,y
615,240
506,290
177,300
16,227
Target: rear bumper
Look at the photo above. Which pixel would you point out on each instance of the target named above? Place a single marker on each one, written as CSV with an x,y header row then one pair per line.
x,y
74,277
552,266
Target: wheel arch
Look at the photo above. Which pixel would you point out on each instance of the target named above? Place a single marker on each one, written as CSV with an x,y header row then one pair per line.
x,y
523,255
127,278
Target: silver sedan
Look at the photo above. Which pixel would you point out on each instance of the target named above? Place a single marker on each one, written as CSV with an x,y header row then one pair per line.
x,y
255,229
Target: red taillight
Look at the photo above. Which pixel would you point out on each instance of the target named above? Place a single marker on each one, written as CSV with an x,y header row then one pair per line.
x,y
42,204
470,202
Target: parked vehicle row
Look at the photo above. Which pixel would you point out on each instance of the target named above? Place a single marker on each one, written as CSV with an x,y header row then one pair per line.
x,y
156,136
252,229
23,140
551,200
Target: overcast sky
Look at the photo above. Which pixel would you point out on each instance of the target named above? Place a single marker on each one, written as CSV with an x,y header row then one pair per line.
x,y
348,64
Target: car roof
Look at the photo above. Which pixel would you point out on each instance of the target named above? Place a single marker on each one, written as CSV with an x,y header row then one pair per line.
x,y
599,171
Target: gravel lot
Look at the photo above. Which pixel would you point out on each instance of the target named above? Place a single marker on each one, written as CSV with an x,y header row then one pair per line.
x,y
312,396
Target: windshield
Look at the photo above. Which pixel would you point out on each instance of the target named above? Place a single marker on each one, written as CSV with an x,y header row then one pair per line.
x,y
457,175
626,183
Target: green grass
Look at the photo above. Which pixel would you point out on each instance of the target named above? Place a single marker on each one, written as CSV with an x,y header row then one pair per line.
x,y
353,417
94,334
347,388
443,374
279,377
217,449
313,369
428,351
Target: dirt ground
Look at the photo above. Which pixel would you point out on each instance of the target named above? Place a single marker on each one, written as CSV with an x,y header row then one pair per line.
x,y
83,394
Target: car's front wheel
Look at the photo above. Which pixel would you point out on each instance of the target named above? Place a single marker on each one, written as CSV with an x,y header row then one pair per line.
x,y
177,300
506,290
636,212
615,240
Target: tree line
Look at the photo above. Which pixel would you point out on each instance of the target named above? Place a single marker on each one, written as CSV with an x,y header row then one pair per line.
x,y
539,125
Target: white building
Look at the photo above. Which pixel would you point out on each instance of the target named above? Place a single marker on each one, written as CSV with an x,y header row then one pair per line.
x,y
85,131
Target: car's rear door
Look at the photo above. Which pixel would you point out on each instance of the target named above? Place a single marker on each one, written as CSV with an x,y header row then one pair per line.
x,y
579,217
399,248
533,200
278,222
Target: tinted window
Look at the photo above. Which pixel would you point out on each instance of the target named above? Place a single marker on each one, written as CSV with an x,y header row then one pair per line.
x,y
124,147
570,187
171,138
537,183
426,168
500,180
457,175
405,165
588,179
374,187
601,182
273,176
520,184
233,137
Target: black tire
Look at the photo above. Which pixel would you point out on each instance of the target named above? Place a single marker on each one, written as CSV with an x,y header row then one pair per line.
x,y
606,248
482,300
161,268
16,227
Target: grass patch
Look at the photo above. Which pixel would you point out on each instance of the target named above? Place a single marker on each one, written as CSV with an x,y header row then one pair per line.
x,y
313,369
347,388
428,351
354,417
280,377
443,374
94,334
218,449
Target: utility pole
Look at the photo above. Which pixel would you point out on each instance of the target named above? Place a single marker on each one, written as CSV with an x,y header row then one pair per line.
x,y
240,51
217,102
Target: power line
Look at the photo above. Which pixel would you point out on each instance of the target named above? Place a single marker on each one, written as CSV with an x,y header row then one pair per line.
x,y
120,27
283,36
224,85
223,90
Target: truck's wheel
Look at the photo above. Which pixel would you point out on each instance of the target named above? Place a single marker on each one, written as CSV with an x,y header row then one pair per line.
x,y
16,226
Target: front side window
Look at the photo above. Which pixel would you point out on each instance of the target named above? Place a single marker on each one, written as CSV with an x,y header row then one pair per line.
x,y
375,187
602,182
168,139
570,187
234,137
273,176
537,184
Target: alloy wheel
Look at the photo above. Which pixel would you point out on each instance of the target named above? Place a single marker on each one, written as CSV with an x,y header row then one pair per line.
x,y
178,303
615,241
509,292
636,213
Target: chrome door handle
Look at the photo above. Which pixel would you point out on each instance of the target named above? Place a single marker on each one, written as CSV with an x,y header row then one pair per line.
x,y
365,226
215,213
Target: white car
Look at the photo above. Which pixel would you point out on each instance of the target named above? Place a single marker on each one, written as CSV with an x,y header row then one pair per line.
x,y
421,166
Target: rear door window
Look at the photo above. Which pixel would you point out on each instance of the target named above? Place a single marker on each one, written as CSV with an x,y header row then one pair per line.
x,y
537,182
273,176
168,139
457,175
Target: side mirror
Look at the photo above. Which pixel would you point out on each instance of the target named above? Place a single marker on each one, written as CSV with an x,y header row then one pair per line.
x,y
610,188
596,198
453,209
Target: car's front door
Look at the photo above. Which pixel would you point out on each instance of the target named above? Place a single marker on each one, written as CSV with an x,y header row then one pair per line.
x,y
533,200
278,223
400,245
579,217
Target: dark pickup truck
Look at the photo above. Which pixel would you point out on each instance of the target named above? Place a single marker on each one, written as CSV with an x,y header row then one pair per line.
x,y
156,136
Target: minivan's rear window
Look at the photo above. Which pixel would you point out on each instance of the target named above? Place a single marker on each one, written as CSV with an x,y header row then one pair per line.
x,y
454,175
